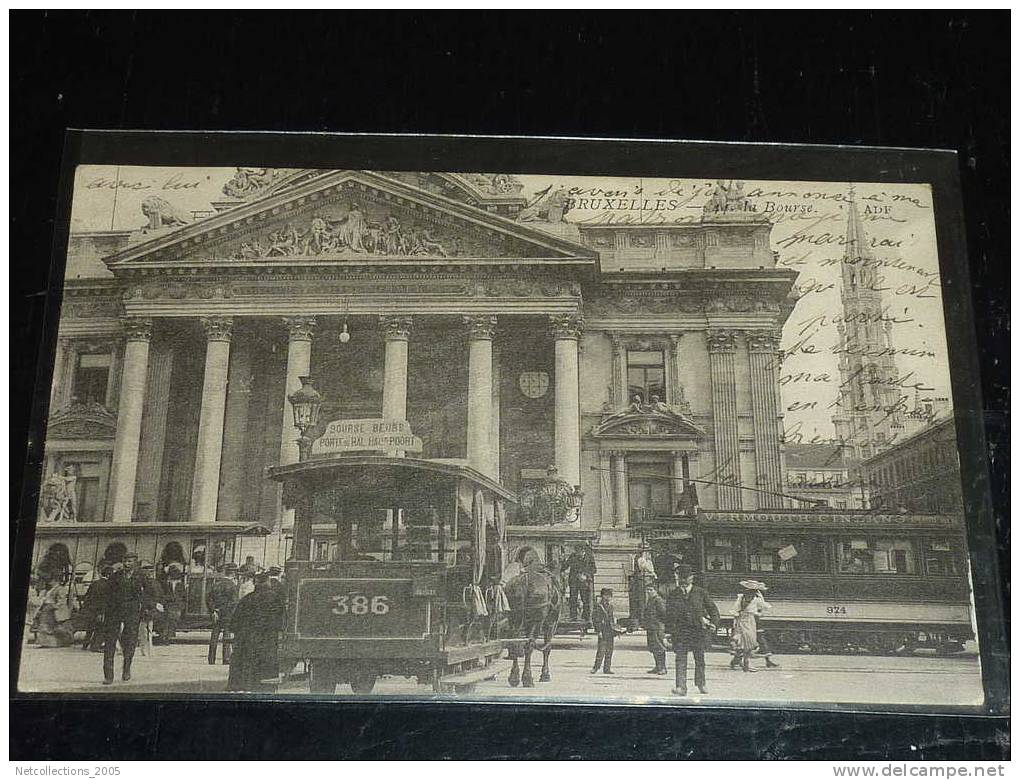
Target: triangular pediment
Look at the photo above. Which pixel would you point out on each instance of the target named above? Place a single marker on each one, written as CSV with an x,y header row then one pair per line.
x,y
647,423
342,216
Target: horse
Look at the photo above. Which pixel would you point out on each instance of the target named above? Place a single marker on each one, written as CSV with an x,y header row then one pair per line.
x,y
535,600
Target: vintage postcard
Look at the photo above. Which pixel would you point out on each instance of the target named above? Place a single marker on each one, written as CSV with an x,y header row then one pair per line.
x,y
501,436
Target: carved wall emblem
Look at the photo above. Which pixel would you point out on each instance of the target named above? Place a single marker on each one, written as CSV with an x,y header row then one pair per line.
x,y
533,384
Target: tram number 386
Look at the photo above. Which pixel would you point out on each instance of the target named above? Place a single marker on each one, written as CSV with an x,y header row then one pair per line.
x,y
360,604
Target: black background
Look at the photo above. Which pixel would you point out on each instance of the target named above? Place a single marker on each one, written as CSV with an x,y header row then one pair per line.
x,y
923,79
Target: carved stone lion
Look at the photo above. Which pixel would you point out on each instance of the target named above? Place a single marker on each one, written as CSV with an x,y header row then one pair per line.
x,y
161,213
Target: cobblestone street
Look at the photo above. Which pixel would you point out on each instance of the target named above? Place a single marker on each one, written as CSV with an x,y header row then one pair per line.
x,y
922,679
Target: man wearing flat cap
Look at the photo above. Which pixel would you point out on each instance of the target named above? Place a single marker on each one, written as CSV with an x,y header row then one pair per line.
x,y
691,620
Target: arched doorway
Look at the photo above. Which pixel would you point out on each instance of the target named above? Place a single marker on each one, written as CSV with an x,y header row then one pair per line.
x,y
55,564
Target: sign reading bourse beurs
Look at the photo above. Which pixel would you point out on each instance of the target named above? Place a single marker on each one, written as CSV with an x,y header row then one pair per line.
x,y
364,435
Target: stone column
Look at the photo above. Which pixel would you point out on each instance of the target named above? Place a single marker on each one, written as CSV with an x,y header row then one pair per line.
x,y
138,331
299,362
481,331
619,384
153,437
606,512
762,347
206,484
722,347
59,379
494,426
621,504
394,398
566,331
235,432
674,390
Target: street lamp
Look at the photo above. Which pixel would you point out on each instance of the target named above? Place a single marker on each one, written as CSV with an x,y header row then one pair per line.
x,y
575,499
305,403
563,500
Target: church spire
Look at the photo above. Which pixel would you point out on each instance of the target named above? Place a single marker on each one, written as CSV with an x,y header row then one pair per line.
x,y
869,409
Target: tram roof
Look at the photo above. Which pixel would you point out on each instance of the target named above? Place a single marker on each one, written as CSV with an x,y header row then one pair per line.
x,y
381,471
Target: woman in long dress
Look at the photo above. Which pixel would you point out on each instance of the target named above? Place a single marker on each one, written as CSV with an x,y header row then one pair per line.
x,y
56,624
744,637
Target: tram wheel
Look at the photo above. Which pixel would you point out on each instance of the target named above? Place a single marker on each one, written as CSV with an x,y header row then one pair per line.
x,y
363,682
322,677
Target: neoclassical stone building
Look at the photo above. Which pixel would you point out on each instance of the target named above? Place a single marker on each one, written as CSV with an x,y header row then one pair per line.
x,y
639,360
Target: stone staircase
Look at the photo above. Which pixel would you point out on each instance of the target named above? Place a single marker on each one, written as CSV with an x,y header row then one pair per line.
x,y
614,555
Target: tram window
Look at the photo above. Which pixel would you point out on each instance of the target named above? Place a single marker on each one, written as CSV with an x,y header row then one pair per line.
x,y
941,558
723,553
786,554
877,556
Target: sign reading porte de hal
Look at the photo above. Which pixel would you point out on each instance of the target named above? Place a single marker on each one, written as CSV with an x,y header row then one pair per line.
x,y
368,434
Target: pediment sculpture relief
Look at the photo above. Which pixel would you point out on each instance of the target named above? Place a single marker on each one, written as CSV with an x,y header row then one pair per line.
x,y
655,418
247,182
79,420
351,230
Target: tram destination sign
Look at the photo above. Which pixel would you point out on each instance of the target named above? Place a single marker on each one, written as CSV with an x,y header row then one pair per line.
x,y
366,435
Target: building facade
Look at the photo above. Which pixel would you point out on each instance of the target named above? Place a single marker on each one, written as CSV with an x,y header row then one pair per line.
x,y
639,361
818,473
919,474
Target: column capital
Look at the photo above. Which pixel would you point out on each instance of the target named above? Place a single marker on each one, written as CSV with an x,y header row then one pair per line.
x,y
674,340
481,326
300,327
218,328
397,327
566,326
721,340
137,328
763,340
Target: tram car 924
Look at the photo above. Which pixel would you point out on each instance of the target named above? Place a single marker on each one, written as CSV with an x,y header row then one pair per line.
x,y
389,569
837,581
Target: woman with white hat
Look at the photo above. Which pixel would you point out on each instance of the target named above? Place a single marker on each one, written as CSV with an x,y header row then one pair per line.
x,y
744,637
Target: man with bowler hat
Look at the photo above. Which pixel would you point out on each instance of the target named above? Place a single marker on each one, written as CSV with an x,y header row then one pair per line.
x,y
130,595
606,630
691,620
221,601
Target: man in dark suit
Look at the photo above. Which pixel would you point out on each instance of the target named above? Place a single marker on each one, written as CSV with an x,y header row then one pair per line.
x,y
93,611
173,598
606,630
653,619
580,569
221,601
130,594
691,620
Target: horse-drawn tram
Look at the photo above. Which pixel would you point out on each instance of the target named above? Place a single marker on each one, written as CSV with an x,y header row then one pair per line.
x,y
392,558
837,581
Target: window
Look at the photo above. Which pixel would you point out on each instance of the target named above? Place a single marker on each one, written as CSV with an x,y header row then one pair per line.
x,y
786,554
91,378
649,486
877,556
646,375
723,553
942,558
